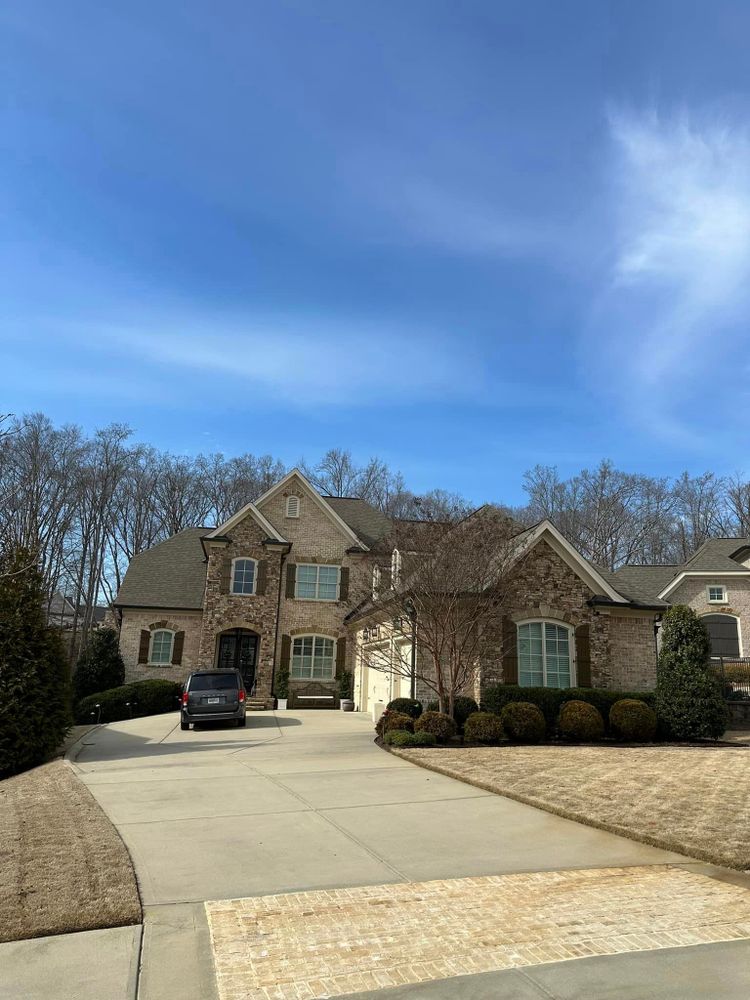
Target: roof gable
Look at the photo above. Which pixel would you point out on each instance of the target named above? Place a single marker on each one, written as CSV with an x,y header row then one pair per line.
x,y
249,510
320,501
585,570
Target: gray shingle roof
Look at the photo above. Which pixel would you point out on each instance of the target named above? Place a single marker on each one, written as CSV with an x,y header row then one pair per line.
x,y
367,522
714,556
643,584
170,575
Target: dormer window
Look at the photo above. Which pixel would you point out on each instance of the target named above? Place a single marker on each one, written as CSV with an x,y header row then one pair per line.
x,y
717,594
396,568
292,506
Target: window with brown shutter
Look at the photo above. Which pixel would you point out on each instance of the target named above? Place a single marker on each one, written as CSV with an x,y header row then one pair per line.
x,y
291,579
260,580
144,645
583,656
510,652
225,575
177,647
344,583
286,651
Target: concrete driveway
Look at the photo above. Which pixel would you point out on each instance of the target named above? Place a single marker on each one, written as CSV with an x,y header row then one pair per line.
x,y
301,801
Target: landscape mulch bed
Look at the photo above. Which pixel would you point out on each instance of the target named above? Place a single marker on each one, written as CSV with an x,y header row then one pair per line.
x,y
690,799
63,866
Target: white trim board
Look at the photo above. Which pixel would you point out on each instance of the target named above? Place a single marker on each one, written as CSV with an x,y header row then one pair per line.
x,y
687,573
318,499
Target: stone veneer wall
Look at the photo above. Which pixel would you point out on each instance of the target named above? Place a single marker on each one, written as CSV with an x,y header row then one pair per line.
x,y
315,538
223,610
135,619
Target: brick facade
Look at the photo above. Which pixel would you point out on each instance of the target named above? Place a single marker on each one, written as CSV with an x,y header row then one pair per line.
x,y
693,592
134,620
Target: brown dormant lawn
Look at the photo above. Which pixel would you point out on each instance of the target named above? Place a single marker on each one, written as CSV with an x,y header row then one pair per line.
x,y
694,800
63,866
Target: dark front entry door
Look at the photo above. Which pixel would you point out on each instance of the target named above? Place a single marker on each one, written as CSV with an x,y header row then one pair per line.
x,y
238,650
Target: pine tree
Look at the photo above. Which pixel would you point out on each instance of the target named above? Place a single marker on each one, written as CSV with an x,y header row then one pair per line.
x,y
34,674
689,700
100,666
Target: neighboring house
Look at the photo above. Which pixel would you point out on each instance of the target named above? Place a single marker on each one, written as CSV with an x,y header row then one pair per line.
x,y
565,624
270,586
62,613
715,582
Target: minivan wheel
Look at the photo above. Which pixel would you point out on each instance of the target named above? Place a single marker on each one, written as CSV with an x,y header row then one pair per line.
x,y
241,722
184,725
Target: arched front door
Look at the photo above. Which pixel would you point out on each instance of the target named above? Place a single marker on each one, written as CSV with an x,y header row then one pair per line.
x,y
238,650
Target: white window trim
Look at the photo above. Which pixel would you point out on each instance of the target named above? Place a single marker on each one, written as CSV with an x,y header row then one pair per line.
x,y
314,635
571,645
289,499
738,619
240,593
376,579
319,600
160,663
715,600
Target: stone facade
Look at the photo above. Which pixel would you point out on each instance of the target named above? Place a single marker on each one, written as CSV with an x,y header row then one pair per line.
x,y
315,538
135,620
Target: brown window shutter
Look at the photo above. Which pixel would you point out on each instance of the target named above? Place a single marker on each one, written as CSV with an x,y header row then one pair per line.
x,y
260,580
510,652
177,647
286,651
291,579
583,657
340,657
225,576
344,583
144,644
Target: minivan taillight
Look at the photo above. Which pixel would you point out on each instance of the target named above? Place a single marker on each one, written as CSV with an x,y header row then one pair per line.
x,y
242,696
184,697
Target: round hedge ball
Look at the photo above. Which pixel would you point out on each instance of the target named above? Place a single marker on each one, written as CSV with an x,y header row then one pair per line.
x,y
399,721
440,725
523,722
633,720
580,721
483,727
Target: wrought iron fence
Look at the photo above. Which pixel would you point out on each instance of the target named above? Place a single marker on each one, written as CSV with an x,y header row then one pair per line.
x,y
734,673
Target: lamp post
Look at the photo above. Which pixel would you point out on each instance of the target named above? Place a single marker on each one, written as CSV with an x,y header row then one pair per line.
x,y
412,613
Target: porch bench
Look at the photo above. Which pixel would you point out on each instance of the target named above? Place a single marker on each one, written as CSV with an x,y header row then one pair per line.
x,y
314,697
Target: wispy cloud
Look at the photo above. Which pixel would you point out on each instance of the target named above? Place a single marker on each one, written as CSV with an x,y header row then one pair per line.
x,y
675,302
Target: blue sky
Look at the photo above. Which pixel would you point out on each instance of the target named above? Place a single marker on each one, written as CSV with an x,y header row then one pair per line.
x,y
466,237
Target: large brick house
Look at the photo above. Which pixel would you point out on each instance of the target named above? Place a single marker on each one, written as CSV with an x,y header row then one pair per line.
x,y
269,586
273,585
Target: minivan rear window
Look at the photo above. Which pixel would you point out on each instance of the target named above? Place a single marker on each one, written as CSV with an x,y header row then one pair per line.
x,y
213,682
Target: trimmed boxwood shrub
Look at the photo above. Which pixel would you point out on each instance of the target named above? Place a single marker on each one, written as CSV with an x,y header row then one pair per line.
x,y
581,721
550,700
523,722
407,706
399,738
146,698
440,725
483,727
397,721
630,719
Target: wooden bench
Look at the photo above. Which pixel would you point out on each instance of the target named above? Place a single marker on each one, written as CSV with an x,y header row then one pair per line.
x,y
314,692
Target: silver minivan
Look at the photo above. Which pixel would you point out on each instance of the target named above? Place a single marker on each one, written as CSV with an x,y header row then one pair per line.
x,y
213,696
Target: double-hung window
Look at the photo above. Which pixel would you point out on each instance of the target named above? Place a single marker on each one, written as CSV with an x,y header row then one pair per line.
x,y
161,646
243,576
313,658
544,655
318,583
